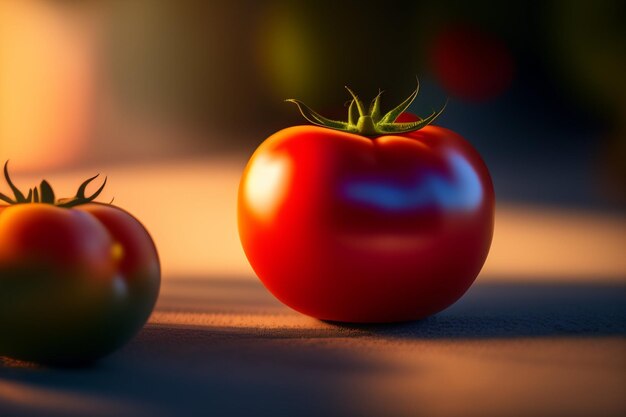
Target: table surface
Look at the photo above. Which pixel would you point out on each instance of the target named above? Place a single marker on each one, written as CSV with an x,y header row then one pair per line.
x,y
226,347
542,331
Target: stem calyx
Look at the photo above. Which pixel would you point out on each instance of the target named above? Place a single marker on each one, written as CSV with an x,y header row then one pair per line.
x,y
369,121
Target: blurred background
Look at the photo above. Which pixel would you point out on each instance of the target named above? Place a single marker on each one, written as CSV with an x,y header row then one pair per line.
x,y
169,99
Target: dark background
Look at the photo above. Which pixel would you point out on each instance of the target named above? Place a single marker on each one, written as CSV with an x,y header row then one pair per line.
x,y
162,79
555,133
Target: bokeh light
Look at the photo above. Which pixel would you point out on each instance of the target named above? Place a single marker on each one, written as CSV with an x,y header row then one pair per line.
x,y
48,83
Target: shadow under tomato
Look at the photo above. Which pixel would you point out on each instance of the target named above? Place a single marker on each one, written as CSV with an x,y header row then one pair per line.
x,y
312,368
509,310
488,310
170,371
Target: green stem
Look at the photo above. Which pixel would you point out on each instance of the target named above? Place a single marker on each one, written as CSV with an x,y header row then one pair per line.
x,y
370,122
366,127
45,194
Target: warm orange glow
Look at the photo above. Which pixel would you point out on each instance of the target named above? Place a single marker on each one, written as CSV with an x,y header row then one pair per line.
x,y
190,208
47,84
46,400
541,376
240,321
542,244
117,251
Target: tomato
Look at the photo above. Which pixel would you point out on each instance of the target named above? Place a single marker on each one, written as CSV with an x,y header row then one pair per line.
x,y
77,279
470,64
355,226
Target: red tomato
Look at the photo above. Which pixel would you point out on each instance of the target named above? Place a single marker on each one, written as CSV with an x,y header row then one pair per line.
x,y
349,228
76,283
471,64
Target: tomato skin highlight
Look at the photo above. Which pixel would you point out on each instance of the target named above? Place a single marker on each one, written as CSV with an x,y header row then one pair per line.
x,y
347,228
75,284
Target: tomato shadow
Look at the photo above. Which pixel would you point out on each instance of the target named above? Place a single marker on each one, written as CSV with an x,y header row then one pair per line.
x,y
171,371
516,308
510,310
306,371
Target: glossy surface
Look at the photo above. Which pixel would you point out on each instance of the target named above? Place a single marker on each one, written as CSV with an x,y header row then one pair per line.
x,y
75,284
346,228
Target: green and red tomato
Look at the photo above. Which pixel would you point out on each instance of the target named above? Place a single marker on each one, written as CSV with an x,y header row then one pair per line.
x,y
78,279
